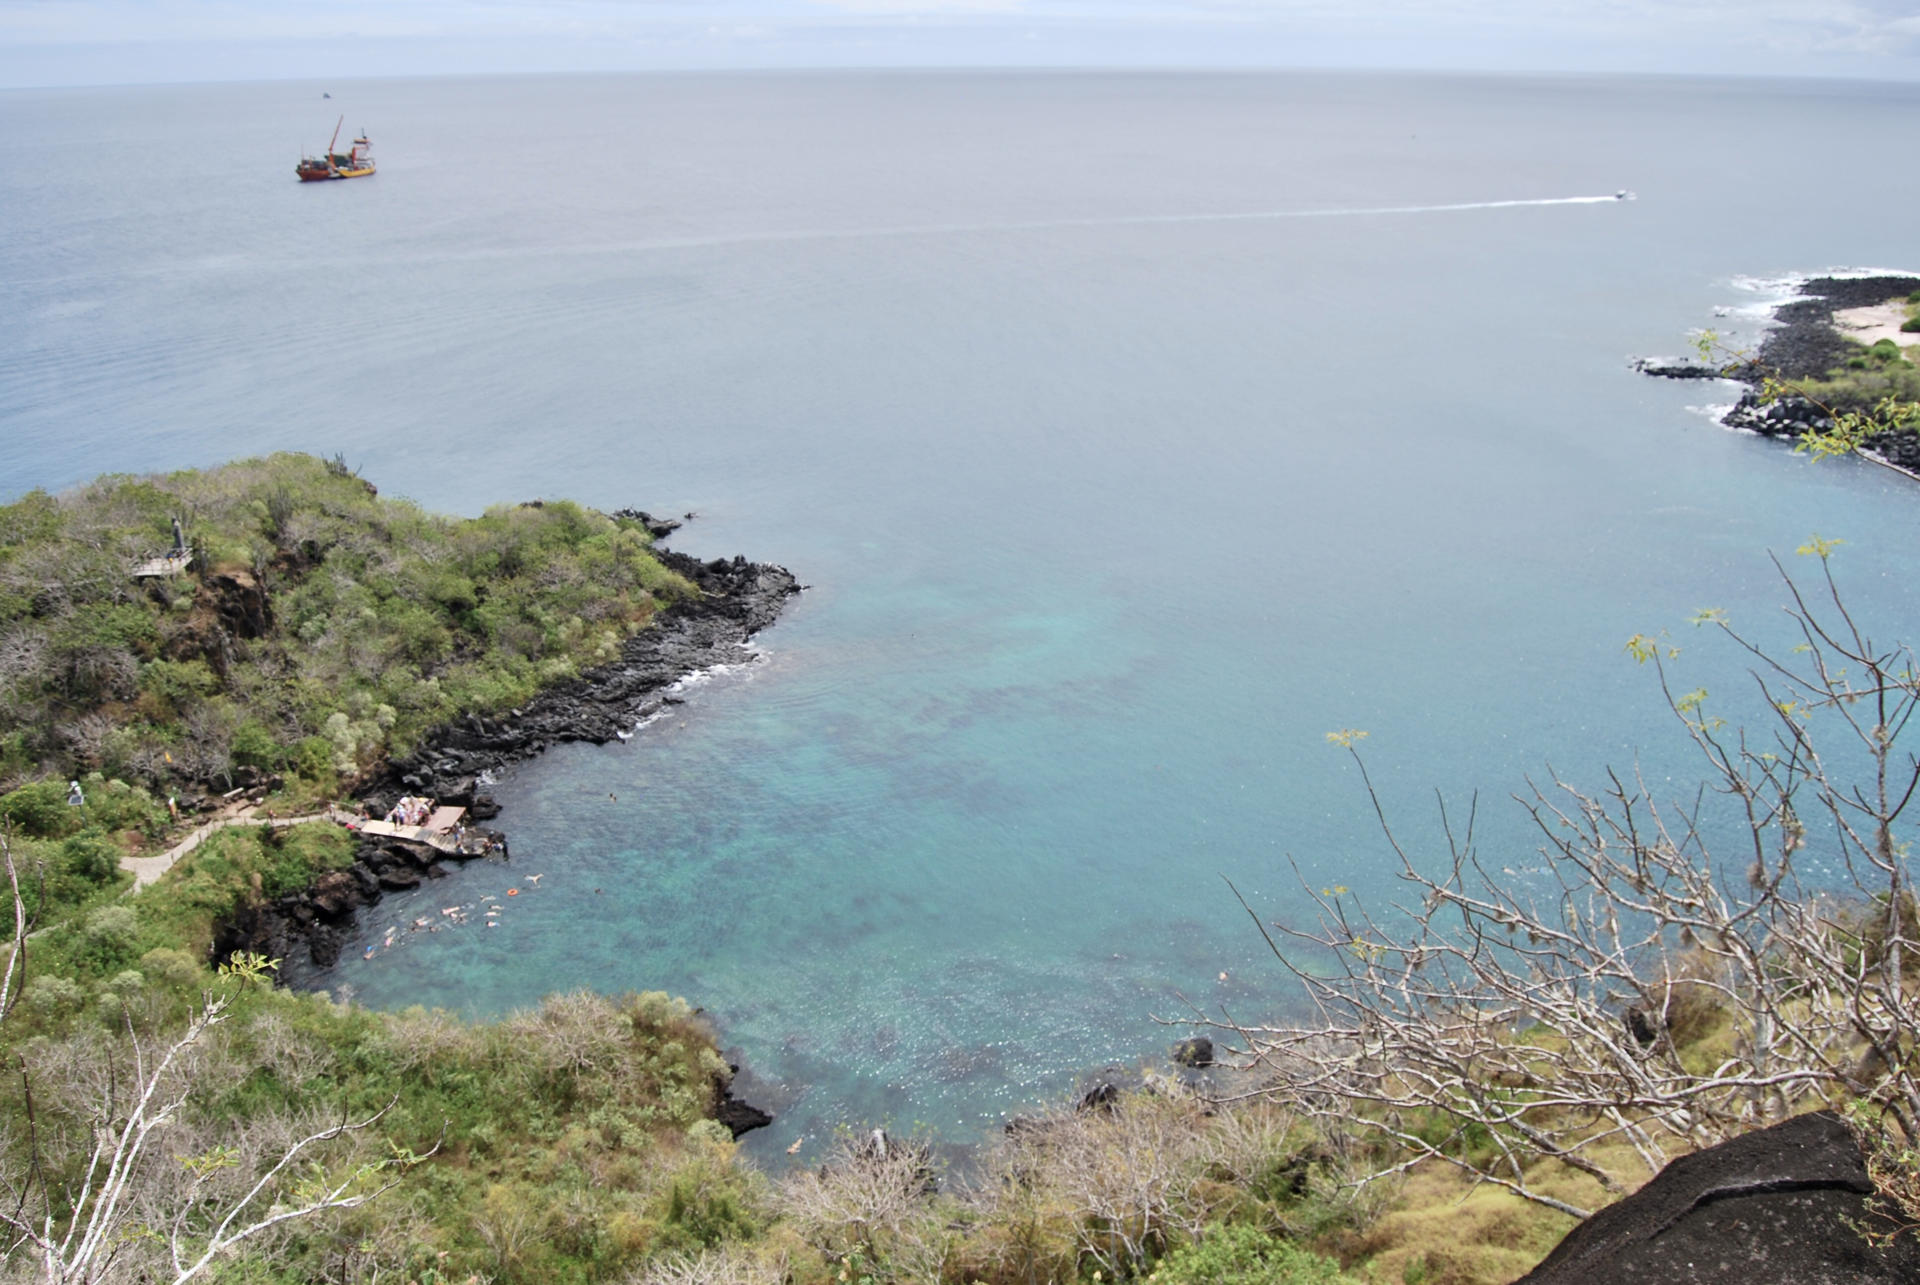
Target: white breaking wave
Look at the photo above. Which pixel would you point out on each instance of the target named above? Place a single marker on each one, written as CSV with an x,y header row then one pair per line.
x,y
700,677
1718,412
1777,292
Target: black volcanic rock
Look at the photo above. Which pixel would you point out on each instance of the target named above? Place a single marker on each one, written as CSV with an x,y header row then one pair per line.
x,y
1663,368
1780,1206
1804,344
658,528
1196,1053
738,1116
737,600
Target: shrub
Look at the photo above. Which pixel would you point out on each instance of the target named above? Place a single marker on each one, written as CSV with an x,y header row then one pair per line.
x,y
291,859
40,811
92,856
115,805
170,967
312,758
1911,325
709,1131
1240,1255
109,935
707,1202
254,746
169,687
50,996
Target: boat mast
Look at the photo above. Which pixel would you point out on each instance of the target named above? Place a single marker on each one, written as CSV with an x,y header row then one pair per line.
x,y
336,133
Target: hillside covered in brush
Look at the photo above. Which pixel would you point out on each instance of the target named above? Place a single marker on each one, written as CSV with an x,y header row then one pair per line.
x,y
317,630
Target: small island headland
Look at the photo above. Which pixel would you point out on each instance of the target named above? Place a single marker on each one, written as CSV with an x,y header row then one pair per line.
x,y
1842,344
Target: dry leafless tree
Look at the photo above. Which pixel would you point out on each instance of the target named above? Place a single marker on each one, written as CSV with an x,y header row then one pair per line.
x,y
95,1185
1486,1021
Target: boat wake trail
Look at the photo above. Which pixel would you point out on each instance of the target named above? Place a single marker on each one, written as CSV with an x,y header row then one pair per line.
x,y
1261,216
1107,221
722,240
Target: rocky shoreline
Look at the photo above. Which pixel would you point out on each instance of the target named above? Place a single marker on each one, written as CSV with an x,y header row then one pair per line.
x,y
1803,344
311,928
738,599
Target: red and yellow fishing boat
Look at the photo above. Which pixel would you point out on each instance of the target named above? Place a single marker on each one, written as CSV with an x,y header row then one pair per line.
x,y
355,162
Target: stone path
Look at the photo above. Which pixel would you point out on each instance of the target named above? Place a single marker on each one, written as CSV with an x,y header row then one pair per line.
x,y
147,869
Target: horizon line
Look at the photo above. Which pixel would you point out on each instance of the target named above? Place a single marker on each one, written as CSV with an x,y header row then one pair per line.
x,y
939,68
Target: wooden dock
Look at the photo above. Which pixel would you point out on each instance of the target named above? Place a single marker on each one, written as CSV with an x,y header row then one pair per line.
x,y
166,565
438,833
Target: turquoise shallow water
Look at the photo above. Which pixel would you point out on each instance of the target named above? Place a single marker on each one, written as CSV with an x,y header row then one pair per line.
x,y
1108,521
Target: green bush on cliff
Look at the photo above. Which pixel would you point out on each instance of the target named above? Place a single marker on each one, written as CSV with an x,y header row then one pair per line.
x,y
1240,1255
1866,382
314,610
573,1138
39,811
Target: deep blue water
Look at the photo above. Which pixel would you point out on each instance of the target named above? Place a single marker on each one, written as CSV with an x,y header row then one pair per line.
x,y
1110,515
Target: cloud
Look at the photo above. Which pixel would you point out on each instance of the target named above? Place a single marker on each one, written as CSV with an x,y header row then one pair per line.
x,y
1848,37
926,7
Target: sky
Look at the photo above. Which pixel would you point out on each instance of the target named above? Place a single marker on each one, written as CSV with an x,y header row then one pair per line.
x,y
79,42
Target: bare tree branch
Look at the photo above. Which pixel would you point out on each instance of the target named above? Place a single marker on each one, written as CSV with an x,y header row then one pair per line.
x,y
1544,1019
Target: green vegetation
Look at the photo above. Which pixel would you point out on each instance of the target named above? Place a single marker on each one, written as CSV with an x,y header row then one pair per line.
x,y
572,1140
1877,390
319,630
1245,1255
69,857
323,630
570,1144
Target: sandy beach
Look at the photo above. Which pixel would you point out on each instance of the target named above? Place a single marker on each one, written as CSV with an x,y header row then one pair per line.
x,y
1871,325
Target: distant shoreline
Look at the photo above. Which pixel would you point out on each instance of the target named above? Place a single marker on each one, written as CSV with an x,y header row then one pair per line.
x,y
1806,343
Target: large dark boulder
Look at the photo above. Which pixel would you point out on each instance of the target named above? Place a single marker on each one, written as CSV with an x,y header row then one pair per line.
x,y
658,528
336,894
738,1116
1196,1052
1780,1206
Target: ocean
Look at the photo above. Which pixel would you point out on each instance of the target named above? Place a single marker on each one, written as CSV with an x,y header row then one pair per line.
x,y
1132,432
